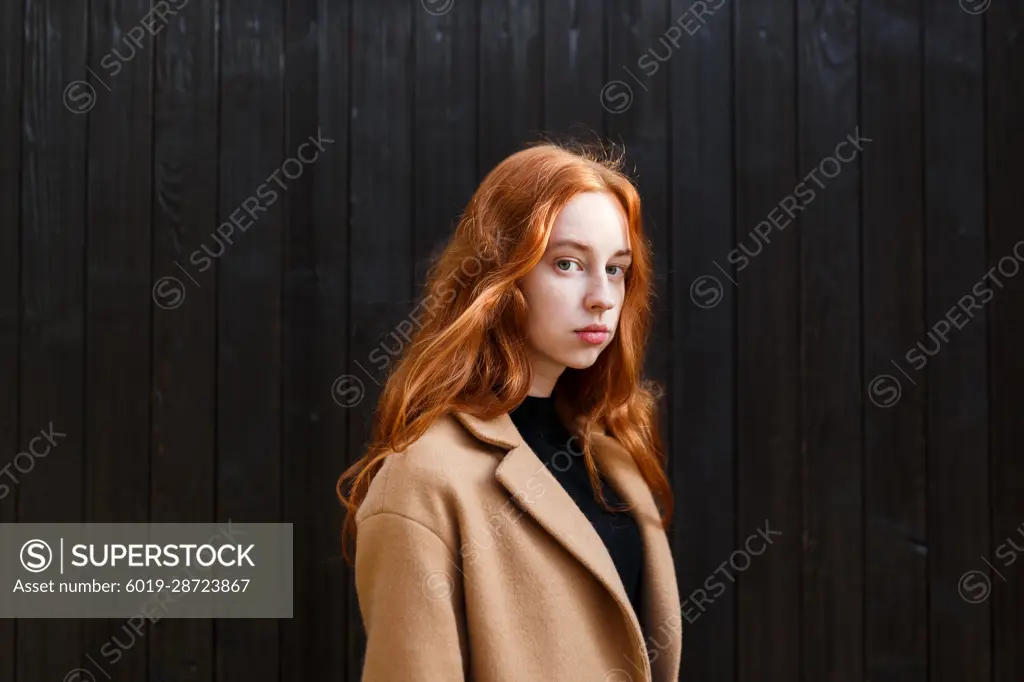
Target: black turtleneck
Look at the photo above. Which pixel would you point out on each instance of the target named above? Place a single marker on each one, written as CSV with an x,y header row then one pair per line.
x,y
562,454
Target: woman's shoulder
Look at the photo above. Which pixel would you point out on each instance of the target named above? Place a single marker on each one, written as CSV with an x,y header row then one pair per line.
x,y
433,476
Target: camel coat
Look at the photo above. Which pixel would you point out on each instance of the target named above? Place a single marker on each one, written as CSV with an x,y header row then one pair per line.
x,y
473,563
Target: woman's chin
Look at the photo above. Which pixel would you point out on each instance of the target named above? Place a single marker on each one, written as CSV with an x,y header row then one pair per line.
x,y
583,359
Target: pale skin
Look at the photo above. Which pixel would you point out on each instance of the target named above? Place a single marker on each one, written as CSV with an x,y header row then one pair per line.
x,y
580,281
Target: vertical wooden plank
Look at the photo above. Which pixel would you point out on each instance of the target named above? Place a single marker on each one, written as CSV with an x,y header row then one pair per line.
x,y
184,407
118,271
53,299
896,606
445,123
954,345
256,173
314,338
511,73
1004,40
574,59
12,30
298,653
833,591
768,460
117,293
330,434
636,32
381,150
703,338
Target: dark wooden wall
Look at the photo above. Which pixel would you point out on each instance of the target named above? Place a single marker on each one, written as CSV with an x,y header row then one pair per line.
x,y
225,403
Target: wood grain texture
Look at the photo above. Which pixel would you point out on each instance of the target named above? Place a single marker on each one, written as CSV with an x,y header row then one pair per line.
x,y
768,352
1004,110
574,68
831,378
117,308
896,551
315,343
11,37
249,279
511,73
955,347
446,89
184,374
11,34
53,239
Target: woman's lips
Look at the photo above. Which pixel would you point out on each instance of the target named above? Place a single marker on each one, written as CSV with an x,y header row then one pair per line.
x,y
593,337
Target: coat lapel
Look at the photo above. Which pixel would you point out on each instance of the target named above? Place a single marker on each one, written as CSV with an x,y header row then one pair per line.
x,y
662,609
540,494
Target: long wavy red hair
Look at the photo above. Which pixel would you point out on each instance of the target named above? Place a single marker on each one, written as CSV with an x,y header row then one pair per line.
x,y
468,353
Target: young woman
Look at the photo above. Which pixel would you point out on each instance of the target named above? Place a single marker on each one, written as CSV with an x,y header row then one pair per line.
x,y
509,516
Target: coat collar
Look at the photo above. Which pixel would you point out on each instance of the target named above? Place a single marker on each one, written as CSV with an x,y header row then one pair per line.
x,y
558,514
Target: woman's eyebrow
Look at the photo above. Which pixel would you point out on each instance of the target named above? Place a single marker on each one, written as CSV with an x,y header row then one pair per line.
x,y
586,247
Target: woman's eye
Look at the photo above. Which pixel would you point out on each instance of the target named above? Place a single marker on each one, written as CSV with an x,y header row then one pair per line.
x,y
622,270
559,264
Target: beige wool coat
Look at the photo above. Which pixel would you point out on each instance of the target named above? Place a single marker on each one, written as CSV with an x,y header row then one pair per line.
x,y
473,563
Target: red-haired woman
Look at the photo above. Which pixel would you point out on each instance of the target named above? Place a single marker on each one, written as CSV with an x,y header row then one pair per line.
x,y
509,516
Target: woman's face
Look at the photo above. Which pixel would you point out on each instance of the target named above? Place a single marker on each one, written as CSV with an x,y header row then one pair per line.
x,y
579,283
